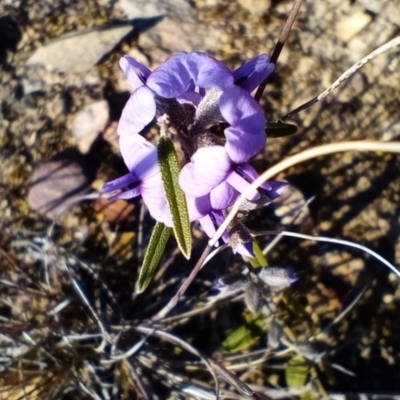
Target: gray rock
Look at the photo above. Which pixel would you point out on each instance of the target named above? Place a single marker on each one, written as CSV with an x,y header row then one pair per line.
x,y
79,52
89,123
176,29
256,7
33,86
57,183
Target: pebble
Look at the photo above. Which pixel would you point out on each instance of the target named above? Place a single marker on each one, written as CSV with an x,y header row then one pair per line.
x,y
57,183
89,123
78,53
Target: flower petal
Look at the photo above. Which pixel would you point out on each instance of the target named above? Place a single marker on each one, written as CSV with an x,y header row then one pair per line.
x,y
251,74
208,225
223,196
276,188
207,72
198,207
119,183
171,79
246,135
140,156
250,174
240,184
127,194
241,145
152,191
210,222
241,110
177,75
139,111
135,72
209,167
245,249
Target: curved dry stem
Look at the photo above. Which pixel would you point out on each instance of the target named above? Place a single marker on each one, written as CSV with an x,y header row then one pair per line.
x,y
345,243
172,303
387,147
175,340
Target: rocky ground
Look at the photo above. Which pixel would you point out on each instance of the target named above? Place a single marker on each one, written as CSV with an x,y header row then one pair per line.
x,y
66,254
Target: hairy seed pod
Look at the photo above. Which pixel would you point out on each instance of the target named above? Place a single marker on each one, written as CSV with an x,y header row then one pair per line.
x,y
233,281
277,278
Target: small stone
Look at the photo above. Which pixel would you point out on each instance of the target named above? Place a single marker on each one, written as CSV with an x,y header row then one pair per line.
x,y
350,26
79,52
33,86
167,27
89,123
256,7
114,211
58,183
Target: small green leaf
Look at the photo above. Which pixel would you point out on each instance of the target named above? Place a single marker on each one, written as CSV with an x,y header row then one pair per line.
x,y
259,260
155,249
280,129
297,371
244,336
169,167
309,395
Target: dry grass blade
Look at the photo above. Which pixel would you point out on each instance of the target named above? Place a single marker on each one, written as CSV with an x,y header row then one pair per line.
x,y
172,303
344,243
281,42
347,74
175,340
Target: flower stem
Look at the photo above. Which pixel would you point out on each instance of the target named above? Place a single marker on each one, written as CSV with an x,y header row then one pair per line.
x,y
172,303
280,43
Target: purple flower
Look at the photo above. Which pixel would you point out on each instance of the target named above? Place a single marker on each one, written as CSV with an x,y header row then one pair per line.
x,y
173,79
192,97
144,178
244,137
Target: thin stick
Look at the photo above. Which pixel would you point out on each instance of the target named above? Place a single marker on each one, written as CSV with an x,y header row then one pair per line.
x,y
172,303
177,341
389,147
382,49
280,43
345,243
80,293
278,238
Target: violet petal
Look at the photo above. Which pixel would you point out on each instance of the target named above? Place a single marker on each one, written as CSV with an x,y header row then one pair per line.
x,y
119,183
127,194
138,112
171,79
140,156
209,167
241,145
198,207
152,191
207,72
223,196
241,110
276,188
240,184
251,175
135,72
208,225
252,73
246,135
245,249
